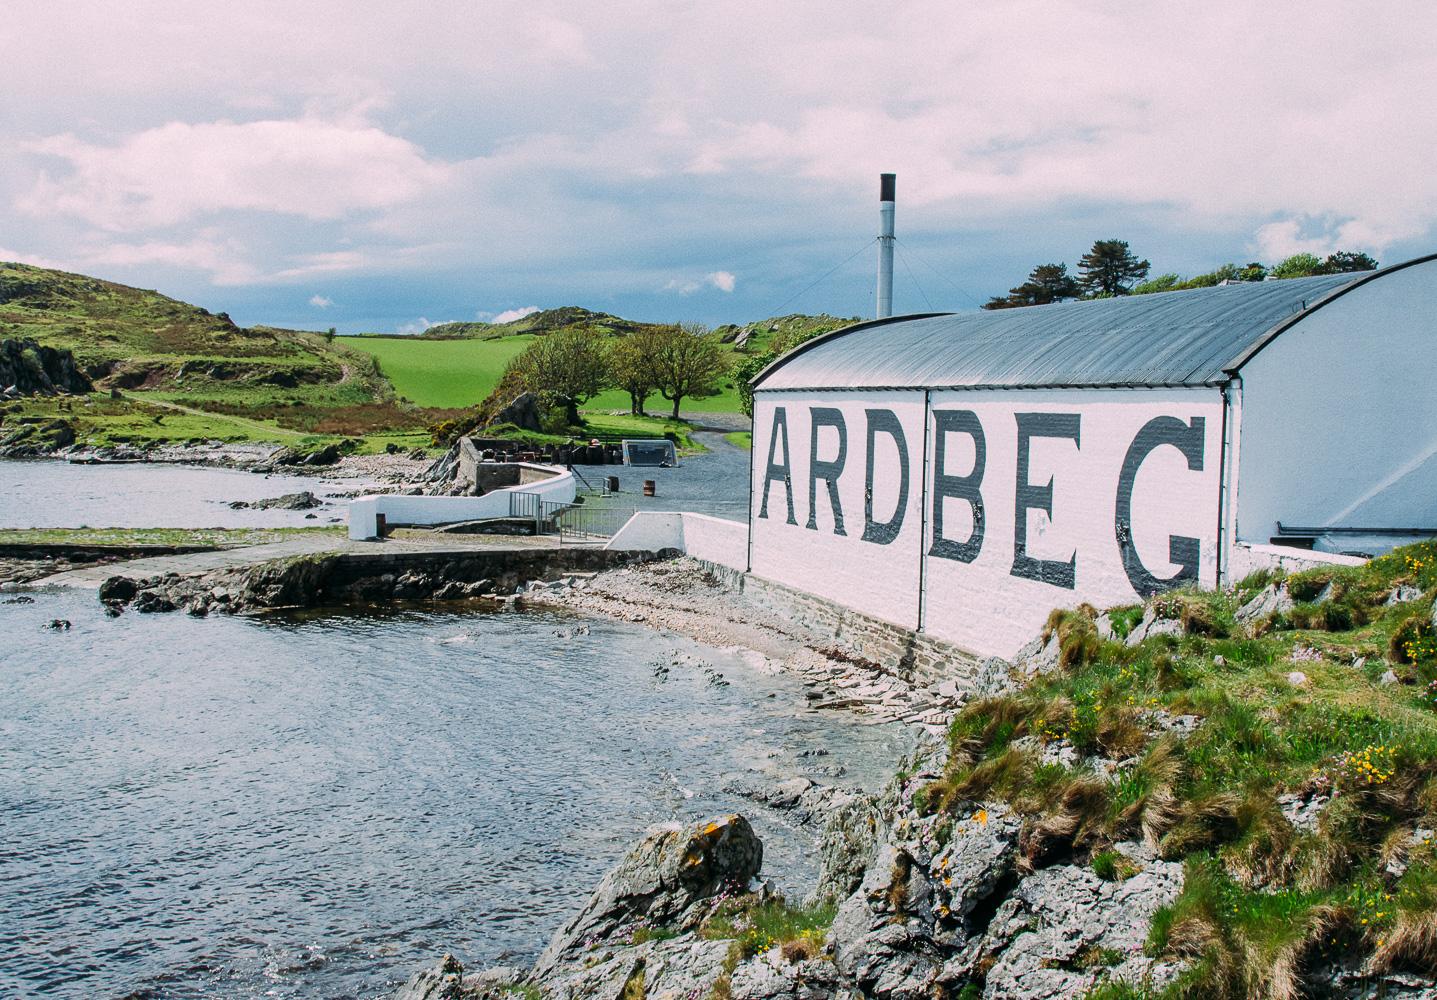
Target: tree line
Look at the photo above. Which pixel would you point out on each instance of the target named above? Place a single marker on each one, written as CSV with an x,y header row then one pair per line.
x,y
1111,268
566,369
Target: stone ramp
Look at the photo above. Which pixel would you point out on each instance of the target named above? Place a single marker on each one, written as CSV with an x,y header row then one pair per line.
x,y
90,577
403,542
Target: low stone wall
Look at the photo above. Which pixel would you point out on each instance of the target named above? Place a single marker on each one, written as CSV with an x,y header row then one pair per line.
x,y
332,579
1248,558
551,483
915,657
418,575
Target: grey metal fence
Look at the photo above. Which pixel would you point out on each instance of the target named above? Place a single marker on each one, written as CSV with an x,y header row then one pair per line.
x,y
575,524
524,504
591,525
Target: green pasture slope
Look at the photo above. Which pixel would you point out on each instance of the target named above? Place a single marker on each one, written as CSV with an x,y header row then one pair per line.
x,y
442,373
460,373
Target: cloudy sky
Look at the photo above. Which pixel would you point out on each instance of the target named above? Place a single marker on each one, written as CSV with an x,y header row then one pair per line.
x,y
383,166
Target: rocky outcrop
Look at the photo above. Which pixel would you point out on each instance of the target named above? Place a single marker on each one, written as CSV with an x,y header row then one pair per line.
x,y
523,412
663,882
35,437
338,578
27,369
928,905
304,500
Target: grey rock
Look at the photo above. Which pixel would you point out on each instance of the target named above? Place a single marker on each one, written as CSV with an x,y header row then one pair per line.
x,y
1402,594
1388,677
1303,811
304,500
767,978
919,898
523,412
1271,599
994,676
1038,657
443,982
846,849
1152,625
1160,720
659,882
1057,915
682,966
1104,625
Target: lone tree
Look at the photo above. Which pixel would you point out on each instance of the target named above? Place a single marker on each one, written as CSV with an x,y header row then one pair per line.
x,y
630,370
1110,268
563,369
1046,283
686,362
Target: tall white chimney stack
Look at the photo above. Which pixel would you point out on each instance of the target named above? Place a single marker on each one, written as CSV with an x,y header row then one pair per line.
x,y
886,184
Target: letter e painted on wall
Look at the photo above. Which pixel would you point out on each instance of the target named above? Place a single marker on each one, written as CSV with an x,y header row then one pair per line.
x,y
1027,496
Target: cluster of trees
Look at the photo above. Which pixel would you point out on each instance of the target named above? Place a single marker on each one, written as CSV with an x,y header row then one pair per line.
x,y
1111,268
565,369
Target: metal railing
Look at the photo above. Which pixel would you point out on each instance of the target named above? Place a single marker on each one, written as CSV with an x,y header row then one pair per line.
x,y
575,524
524,504
591,525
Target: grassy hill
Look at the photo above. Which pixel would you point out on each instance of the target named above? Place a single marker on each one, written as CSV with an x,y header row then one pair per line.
x,y
459,364
185,373
188,373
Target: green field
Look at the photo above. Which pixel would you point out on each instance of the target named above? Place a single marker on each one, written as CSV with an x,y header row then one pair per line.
x,y
442,373
460,373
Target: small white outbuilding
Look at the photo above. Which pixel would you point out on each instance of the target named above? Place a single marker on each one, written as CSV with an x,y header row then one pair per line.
x,y
963,474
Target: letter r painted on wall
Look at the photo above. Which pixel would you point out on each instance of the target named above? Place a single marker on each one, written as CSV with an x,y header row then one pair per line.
x,y
780,472
827,470
1189,439
1059,573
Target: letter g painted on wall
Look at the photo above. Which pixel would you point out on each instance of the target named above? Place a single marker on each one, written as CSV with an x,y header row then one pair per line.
x,y
1188,439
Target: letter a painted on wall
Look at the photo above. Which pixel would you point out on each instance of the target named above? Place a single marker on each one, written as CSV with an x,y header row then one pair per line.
x,y
967,487
884,422
779,472
1028,497
829,471
1188,439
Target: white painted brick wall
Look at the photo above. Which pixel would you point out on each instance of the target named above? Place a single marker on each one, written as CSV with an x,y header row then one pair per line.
x,y
981,605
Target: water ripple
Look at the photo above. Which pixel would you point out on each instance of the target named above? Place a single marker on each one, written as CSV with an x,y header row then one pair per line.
x,y
313,806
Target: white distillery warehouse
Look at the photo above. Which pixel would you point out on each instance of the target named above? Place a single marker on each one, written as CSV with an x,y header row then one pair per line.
x,y
961,475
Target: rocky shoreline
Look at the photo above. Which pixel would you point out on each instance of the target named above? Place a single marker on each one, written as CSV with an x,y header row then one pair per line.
x,y
919,907
394,470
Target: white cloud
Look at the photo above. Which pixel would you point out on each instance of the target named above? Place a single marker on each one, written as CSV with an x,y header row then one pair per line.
x,y
747,132
34,260
510,315
178,172
320,302
419,326
724,281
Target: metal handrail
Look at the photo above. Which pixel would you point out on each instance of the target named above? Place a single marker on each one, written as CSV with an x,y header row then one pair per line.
x,y
591,524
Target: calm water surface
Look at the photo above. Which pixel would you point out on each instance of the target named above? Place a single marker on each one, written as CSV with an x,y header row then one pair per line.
x,y
316,806
56,494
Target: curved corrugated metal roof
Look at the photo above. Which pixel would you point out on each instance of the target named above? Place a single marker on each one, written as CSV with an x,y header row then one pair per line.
x,y
1191,337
